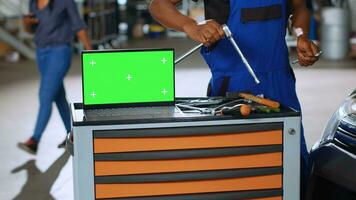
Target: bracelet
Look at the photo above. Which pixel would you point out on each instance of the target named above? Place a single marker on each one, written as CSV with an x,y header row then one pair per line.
x,y
298,32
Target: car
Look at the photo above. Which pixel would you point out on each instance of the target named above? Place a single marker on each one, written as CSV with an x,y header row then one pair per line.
x,y
333,157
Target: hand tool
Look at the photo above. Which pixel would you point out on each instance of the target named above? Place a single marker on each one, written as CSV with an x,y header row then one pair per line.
x,y
212,111
213,101
316,55
188,53
263,101
201,110
266,109
237,110
228,35
244,60
217,110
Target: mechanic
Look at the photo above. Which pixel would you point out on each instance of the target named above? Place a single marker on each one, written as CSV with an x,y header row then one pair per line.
x,y
259,27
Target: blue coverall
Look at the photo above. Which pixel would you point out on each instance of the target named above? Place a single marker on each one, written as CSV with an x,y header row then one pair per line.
x,y
261,38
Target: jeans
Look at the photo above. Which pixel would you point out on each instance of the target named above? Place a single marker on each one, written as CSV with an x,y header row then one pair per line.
x,y
53,63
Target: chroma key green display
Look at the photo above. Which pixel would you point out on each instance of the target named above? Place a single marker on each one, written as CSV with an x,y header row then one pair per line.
x,y
128,77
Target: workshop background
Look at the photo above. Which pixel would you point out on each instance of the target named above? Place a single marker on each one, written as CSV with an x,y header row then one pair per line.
x,y
127,24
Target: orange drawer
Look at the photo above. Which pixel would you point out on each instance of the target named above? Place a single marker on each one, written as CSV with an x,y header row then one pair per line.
x,y
119,145
188,187
105,168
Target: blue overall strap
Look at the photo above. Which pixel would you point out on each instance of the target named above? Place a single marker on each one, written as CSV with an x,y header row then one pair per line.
x,y
259,28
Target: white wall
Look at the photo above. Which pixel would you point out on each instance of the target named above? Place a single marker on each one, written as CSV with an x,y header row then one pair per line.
x,y
13,8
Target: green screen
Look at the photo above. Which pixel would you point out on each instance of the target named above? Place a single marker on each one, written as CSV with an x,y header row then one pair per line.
x,y
128,77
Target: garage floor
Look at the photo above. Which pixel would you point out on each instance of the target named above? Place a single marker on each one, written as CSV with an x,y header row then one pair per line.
x,y
48,175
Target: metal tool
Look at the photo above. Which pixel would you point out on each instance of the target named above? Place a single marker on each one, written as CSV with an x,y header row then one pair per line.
x,y
212,101
244,60
316,55
212,111
237,110
201,110
228,34
188,53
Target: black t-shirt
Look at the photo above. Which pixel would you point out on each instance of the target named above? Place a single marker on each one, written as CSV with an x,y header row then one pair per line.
x,y
219,10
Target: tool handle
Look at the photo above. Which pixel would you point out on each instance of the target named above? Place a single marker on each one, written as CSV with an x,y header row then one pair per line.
x,y
188,53
263,101
242,109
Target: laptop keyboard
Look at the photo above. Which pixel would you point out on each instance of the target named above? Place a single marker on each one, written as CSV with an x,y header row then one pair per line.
x,y
116,112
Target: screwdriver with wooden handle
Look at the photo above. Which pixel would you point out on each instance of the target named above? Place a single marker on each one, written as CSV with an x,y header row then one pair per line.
x,y
237,110
263,101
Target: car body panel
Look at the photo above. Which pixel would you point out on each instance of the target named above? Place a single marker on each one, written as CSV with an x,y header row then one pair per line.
x,y
334,158
335,164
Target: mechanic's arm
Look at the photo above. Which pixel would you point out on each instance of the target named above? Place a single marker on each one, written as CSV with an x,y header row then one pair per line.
x,y
165,12
306,48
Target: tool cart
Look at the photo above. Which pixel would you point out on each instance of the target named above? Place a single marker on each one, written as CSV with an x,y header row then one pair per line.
x,y
191,156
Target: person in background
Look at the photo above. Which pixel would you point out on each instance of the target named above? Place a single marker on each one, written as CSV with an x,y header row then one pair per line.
x,y
259,27
54,23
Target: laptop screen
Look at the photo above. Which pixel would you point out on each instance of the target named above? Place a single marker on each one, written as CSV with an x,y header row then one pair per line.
x,y
128,77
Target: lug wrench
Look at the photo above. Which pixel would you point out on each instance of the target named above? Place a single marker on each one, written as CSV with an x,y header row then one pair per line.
x,y
228,34
244,60
188,53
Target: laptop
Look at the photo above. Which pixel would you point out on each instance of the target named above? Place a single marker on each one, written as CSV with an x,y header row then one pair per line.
x,y
128,84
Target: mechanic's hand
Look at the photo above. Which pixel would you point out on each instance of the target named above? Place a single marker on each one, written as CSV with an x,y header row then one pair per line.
x,y
207,33
307,51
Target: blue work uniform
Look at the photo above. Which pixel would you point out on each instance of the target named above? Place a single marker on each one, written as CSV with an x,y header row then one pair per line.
x,y
259,28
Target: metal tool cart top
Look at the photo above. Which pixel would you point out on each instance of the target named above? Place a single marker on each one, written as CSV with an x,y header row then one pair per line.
x,y
189,157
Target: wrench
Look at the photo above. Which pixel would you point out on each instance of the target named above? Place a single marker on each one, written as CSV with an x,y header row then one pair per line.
x,y
228,34
188,53
201,110
244,60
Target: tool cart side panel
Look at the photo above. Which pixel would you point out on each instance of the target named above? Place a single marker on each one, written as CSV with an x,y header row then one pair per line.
x,y
291,158
83,165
